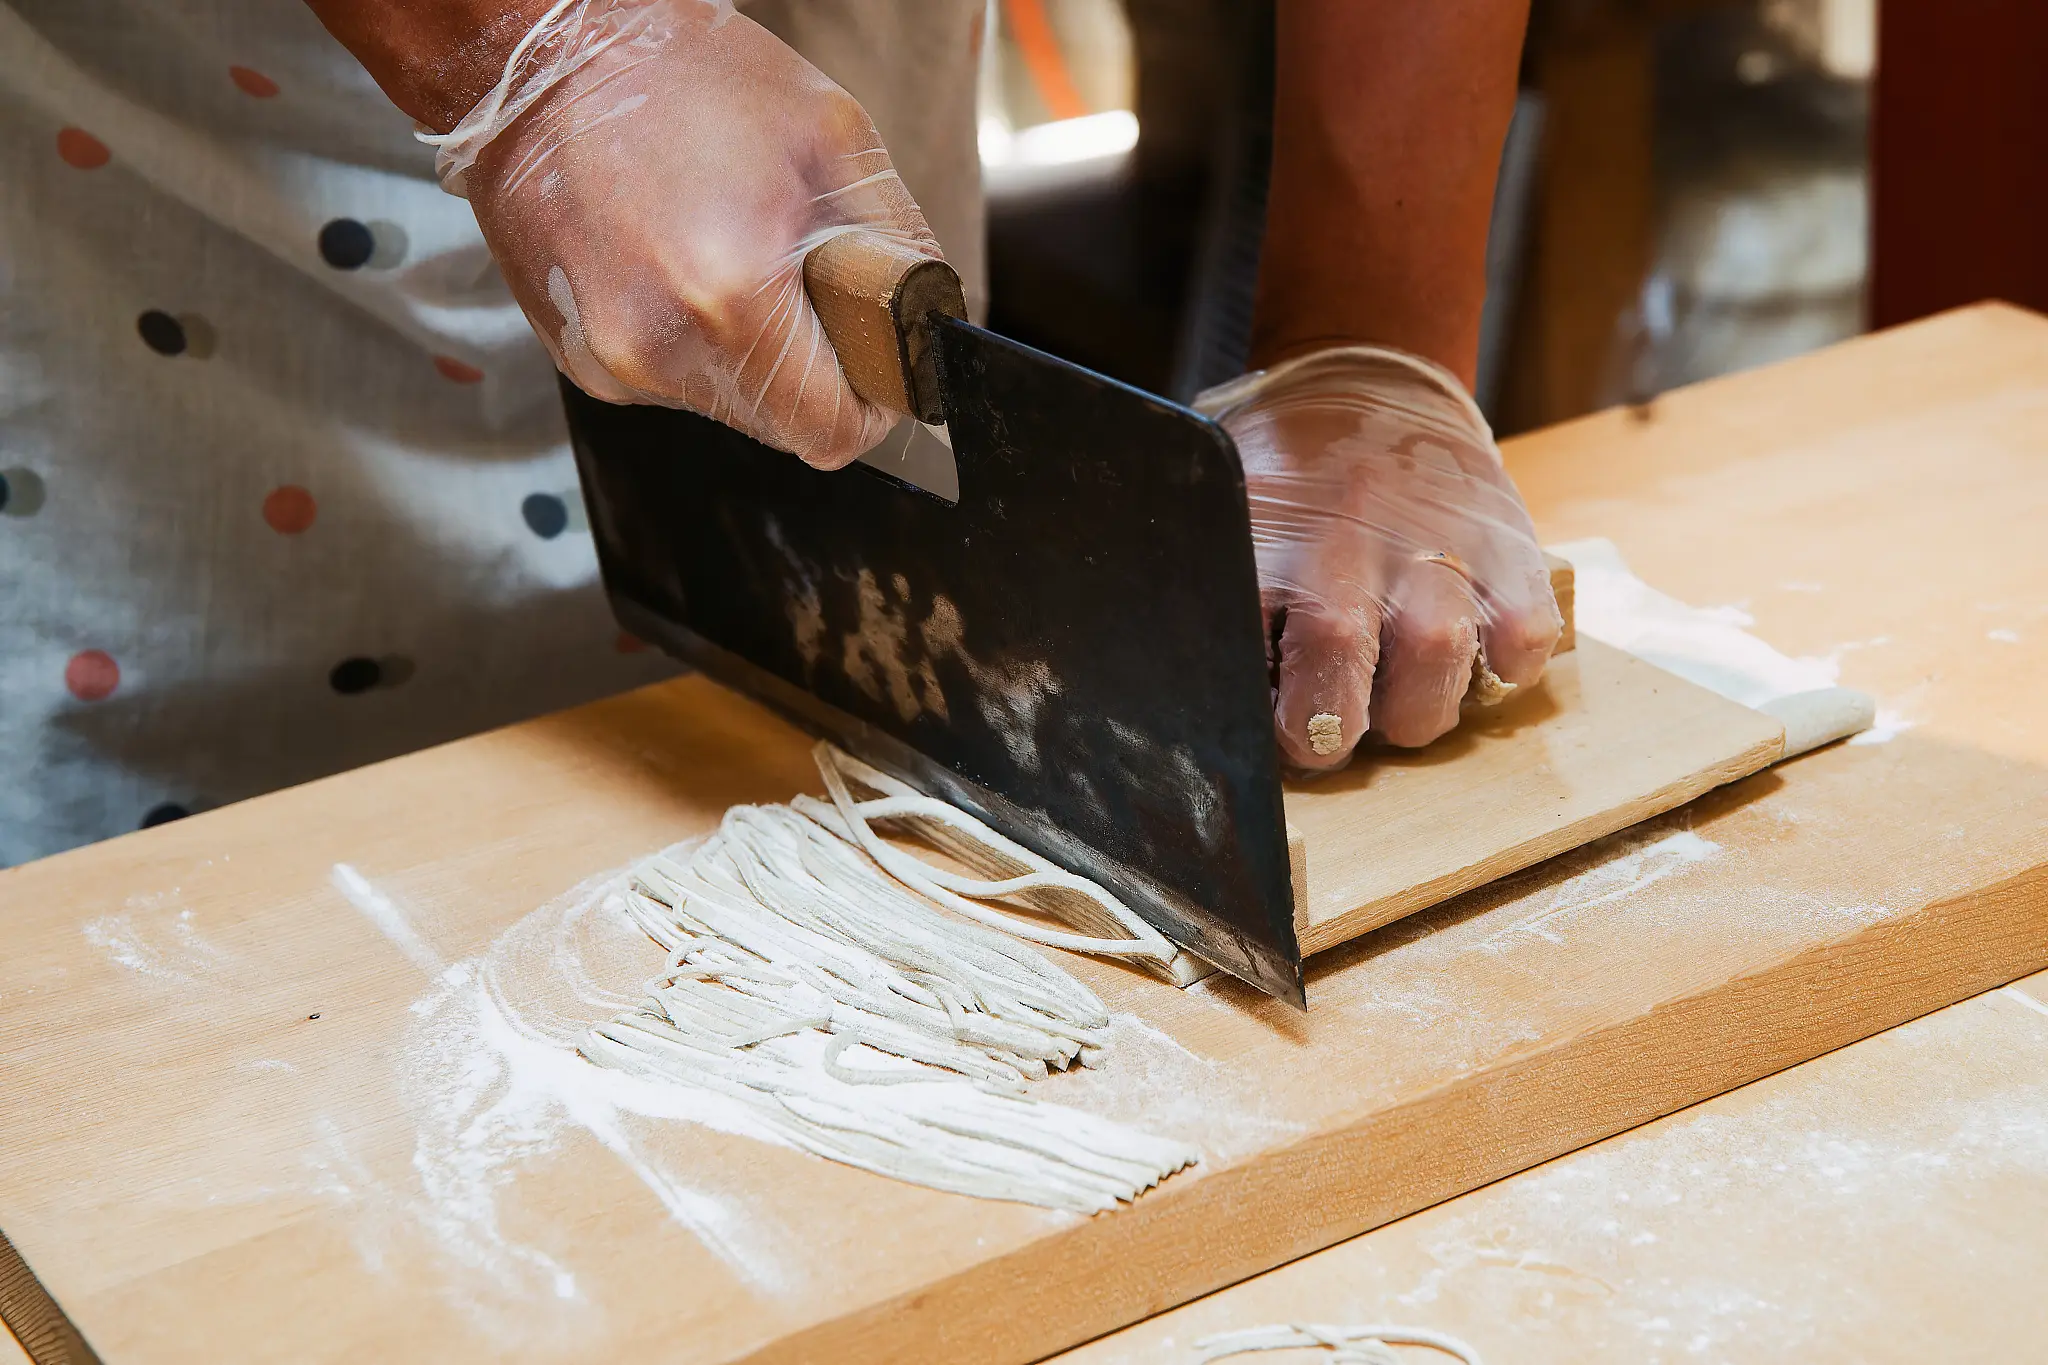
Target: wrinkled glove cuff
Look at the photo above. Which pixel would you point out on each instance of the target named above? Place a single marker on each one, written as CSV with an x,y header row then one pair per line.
x,y
570,35
1342,365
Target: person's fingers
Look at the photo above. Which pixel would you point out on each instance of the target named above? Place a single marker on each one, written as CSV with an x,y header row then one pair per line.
x,y
654,229
1522,624
1325,657
803,402
1444,505
1497,544
1426,663
749,354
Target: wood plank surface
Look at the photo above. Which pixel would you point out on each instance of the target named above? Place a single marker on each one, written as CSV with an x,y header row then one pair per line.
x,y
1604,741
245,1119
1880,1203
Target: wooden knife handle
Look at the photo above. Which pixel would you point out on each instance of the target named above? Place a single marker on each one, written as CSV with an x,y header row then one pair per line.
x,y
876,296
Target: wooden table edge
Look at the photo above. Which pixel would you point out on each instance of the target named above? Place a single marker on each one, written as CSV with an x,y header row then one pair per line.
x,y
1946,951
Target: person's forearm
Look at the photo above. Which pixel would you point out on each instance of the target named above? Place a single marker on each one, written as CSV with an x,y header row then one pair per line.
x,y
434,58
1388,122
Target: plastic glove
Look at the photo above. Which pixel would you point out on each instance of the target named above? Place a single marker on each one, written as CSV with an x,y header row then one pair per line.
x,y
1399,569
650,175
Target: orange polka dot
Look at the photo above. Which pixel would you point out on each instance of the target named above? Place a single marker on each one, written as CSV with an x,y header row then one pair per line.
x,y
289,509
455,371
629,643
252,83
92,675
81,149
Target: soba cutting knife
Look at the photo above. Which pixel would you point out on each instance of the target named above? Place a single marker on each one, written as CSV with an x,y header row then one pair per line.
x,y
1057,629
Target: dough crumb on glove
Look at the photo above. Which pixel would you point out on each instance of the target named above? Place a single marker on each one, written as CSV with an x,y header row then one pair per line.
x,y
1399,569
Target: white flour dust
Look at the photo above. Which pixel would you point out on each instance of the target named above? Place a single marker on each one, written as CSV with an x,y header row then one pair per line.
x,y
2027,1000
1172,776
384,913
147,940
1156,1083
802,603
1624,1245
492,1095
491,1077
1710,646
893,657
1660,883
1009,695
1891,722
877,657
490,1092
1623,866
1639,859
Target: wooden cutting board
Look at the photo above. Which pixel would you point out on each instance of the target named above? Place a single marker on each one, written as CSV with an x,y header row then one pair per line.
x,y
241,1120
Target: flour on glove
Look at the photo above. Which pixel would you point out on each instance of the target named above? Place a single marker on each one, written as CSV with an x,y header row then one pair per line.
x,y
1399,570
650,175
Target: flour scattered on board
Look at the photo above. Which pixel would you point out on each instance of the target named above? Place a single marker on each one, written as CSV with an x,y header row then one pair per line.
x,y
1891,722
383,912
1622,1248
155,937
2024,999
496,1107
490,1074
1710,646
1157,1083
1641,861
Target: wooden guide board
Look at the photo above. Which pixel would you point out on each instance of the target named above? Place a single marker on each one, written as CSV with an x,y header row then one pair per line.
x,y
194,1167
1604,741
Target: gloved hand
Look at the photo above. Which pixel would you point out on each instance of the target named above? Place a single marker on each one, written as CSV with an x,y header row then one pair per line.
x,y
1399,569
650,175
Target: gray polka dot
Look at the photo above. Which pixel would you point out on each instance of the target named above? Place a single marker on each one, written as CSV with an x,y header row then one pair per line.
x,y
200,339
389,244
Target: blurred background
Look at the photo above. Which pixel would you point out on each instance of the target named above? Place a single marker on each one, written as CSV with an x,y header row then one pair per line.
x,y
1690,187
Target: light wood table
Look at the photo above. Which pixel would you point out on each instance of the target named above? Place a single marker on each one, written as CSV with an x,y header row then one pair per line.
x,y
1881,1203
196,1166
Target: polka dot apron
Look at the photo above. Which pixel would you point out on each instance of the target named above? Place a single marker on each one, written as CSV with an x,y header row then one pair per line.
x,y
284,486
